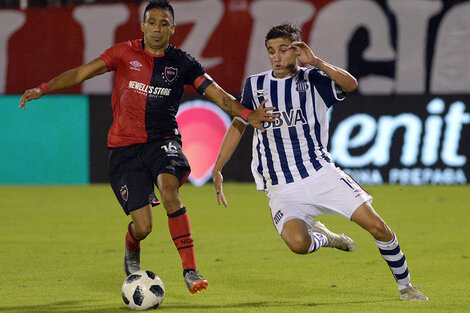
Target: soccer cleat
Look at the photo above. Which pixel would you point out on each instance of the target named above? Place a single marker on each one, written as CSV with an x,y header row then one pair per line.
x,y
412,294
131,261
338,241
195,282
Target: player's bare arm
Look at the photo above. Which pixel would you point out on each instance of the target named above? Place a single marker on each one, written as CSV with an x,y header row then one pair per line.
x,y
342,77
66,80
231,106
229,144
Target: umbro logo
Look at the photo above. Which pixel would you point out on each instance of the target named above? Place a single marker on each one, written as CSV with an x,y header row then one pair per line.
x,y
135,65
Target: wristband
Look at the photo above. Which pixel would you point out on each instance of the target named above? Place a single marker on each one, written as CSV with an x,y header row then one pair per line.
x,y
44,88
244,114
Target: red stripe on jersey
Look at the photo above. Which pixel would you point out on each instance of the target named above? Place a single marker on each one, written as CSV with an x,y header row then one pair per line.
x,y
128,100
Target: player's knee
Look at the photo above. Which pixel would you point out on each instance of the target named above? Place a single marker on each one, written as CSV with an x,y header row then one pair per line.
x,y
171,205
170,199
380,231
299,244
143,229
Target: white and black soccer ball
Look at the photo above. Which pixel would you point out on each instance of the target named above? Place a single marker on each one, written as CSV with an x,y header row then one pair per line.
x,y
143,290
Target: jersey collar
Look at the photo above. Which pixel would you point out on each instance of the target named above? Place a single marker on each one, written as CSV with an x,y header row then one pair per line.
x,y
154,55
296,71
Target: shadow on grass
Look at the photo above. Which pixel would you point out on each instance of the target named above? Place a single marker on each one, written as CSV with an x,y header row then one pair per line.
x,y
265,304
84,306
65,306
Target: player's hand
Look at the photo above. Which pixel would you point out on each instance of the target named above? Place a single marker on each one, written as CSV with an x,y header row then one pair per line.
x,y
218,180
261,115
303,53
30,94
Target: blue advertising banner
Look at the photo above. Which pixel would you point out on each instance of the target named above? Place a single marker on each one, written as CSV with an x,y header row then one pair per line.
x,y
48,143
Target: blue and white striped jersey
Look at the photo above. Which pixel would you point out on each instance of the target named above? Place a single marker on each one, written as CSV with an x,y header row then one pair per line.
x,y
294,146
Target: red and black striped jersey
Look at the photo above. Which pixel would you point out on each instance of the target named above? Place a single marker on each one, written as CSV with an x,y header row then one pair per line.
x,y
148,90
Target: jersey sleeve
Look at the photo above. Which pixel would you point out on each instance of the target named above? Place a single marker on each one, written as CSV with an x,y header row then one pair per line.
x,y
247,99
111,57
330,91
202,82
196,75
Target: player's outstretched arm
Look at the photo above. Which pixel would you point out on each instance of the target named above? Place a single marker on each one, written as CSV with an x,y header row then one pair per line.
x,y
342,77
65,80
229,144
230,105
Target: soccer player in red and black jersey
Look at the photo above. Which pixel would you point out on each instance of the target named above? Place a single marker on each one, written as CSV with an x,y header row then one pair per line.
x,y
144,139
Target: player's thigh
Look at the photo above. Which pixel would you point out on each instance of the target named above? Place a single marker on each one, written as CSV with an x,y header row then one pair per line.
x,y
168,184
366,217
335,192
131,182
288,202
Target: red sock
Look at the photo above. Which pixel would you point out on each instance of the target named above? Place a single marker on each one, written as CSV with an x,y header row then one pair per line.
x,y
132,244
180,231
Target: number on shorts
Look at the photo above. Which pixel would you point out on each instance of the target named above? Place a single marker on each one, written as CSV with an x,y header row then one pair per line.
x,y
348,182
169,148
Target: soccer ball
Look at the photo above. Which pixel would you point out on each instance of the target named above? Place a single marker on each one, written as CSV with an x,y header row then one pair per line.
x,y
143,290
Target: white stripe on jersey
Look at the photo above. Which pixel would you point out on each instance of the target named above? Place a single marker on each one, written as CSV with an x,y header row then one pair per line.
x,y
293,147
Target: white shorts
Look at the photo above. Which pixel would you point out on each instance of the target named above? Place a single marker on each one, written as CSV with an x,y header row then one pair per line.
x,y
329,191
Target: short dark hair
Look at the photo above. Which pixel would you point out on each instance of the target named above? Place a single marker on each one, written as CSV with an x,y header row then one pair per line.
x,y
289,31
160,4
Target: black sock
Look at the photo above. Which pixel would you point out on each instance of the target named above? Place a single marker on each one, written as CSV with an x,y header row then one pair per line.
x,y
186,270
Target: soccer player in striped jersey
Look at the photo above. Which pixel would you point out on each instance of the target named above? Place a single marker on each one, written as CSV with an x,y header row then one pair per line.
x,y
290,161
144,139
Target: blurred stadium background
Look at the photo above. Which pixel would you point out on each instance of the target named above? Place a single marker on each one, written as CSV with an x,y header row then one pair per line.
x,y
407,124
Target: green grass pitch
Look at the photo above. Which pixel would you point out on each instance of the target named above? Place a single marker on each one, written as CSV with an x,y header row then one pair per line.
x,y
62,248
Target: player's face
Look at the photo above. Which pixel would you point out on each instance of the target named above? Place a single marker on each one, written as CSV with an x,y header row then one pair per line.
x,y
158,27
281,56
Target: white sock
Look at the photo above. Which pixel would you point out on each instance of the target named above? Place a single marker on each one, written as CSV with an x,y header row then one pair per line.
x,y
396,261
318,241
401,287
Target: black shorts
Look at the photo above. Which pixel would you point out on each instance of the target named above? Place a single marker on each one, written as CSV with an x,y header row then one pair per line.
x,y
133,170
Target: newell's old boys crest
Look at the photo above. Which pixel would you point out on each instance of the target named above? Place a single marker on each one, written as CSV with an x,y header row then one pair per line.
x,y
124,192
170,74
